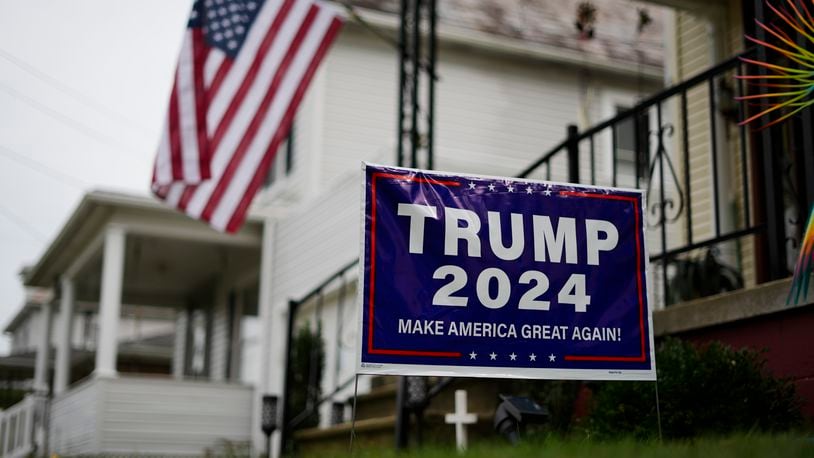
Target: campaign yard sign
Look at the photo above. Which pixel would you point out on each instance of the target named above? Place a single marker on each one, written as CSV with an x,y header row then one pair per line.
x,y
500,277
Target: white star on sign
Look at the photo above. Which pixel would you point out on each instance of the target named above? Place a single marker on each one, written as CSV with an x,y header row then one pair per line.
x,y
513,356
493,356
491,187
473,355
532,357
529,190
551,357
510,188
547,192
471,185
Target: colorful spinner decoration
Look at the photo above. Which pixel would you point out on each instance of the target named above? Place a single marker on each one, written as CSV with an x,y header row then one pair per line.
x,y
789,88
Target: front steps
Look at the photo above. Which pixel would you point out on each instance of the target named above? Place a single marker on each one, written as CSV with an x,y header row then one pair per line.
x,y
376,419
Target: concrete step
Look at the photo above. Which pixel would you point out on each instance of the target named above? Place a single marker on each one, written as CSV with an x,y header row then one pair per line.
x,y
378,403
376,420
381,400
384,380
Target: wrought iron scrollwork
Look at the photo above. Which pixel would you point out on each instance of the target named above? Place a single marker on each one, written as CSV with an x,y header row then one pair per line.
x,y
663,207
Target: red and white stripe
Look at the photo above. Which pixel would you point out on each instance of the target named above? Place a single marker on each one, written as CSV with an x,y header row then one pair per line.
x,y
183,153
250,103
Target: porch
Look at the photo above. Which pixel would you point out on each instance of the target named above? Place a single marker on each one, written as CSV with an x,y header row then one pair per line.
x,y
125,268
143,415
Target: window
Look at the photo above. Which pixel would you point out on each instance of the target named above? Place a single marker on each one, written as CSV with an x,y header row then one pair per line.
x,y
627,149
283,161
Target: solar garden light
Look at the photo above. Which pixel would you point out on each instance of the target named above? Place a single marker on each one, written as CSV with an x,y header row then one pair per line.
x,y
514,413
268,419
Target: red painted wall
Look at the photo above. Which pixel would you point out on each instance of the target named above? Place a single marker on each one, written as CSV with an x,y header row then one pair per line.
x,y
787,337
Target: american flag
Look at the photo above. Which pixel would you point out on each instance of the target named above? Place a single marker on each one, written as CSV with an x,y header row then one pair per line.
x,y
243,69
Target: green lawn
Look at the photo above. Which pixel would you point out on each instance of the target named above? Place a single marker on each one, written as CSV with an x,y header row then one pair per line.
x,y
734,446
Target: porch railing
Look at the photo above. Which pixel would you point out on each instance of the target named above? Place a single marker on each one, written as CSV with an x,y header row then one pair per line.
x,y
313,398
17,426
701,171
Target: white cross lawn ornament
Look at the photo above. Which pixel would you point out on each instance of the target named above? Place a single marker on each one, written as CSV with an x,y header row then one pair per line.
x,y
460,418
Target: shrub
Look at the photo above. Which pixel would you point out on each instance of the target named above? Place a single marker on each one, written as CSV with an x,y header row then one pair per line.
x,y
307,366
711,389
558,396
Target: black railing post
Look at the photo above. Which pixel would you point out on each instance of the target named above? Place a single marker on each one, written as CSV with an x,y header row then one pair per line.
x,y
807,163
402,79
402,415
572,146
773,195
433,51
772,178
415,56
285,429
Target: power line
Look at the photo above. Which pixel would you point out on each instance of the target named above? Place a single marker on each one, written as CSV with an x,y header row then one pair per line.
x,y
43,168
65,89
74,124
22,224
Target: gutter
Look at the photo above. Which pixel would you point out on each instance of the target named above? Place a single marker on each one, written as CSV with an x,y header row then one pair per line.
x,y
460,36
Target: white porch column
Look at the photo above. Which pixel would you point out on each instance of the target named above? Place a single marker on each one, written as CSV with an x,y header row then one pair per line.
x,y
219,338
235,345
62,371
43,350
266,353
110,302
179,352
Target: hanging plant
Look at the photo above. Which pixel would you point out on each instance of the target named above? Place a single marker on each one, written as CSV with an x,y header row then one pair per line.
x,y
586,18
644,20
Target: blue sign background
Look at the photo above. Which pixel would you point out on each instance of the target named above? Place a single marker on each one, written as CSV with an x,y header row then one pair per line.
x,y
399,285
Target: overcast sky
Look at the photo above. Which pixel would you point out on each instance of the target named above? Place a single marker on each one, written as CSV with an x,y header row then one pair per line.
x,y
83,90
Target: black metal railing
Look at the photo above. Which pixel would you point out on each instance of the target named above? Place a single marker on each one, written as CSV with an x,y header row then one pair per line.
x,y
685,147
313,399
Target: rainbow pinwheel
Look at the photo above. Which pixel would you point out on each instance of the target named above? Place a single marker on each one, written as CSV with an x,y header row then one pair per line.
x,y
805,265
791,88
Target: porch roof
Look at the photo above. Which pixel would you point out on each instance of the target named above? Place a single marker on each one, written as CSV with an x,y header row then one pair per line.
x,y
140,214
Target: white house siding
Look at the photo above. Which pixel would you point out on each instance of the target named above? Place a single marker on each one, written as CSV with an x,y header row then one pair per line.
x,y
171,417
133,415
74,421
488,107
695,56
359,105
309,247
318,241
701,42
